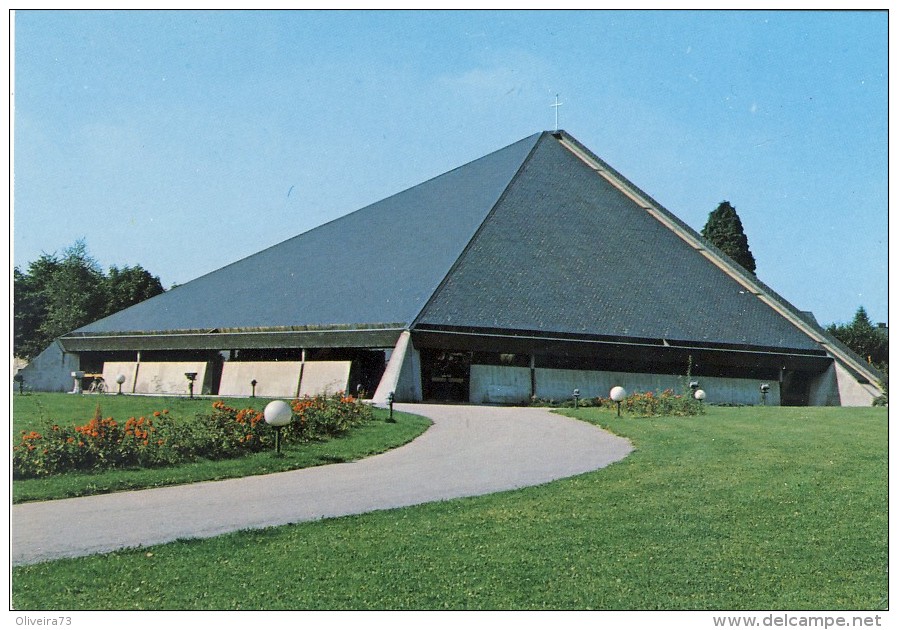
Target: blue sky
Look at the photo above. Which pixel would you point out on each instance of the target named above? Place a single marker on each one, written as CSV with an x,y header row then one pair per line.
x,y
184,141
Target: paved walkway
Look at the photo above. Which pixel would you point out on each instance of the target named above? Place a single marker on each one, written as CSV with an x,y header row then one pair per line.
x,y
468,451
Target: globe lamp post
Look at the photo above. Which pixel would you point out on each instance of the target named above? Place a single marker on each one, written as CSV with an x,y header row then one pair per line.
x,y
278,414
617,395
120,379
700,395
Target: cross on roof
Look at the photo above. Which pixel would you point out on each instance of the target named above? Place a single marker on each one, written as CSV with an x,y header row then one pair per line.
x,y
556,105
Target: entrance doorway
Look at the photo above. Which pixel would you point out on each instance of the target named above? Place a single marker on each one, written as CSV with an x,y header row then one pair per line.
x,y
795,389
445,376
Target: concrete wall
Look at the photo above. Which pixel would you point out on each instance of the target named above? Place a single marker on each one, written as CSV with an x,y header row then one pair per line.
x,y
167,377
274,379
837,387
499,384
852,393
408,387
503,384
324,377
50,371
113,369
559,385
824,390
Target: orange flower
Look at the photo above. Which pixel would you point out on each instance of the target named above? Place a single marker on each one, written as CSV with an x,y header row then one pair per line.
x,y
156,414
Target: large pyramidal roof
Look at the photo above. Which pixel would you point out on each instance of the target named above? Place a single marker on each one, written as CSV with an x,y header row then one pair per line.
x,y
540,237
376,266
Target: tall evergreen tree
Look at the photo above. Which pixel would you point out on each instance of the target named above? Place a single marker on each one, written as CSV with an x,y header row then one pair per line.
x,y
724,230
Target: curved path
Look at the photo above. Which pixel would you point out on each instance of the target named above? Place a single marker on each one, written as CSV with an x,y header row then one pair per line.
x,y
468,451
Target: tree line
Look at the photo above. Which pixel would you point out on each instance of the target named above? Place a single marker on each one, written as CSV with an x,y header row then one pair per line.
x,y
57,294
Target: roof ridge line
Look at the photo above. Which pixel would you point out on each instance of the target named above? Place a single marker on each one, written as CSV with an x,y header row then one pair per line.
x,y
479,229
769,297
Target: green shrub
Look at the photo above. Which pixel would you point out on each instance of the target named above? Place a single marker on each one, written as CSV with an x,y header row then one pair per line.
x,y
326,416
667,403
640,404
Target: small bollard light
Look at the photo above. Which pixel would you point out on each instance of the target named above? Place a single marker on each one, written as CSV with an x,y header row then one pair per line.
x,y
576,398
765,389
390,398
253,383
191,376
120,379
617,395
278,414
20,379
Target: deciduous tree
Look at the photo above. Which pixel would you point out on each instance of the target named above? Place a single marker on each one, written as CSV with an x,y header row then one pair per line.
x,y
128,286
56,295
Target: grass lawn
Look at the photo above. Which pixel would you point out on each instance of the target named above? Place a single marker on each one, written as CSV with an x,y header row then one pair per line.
x,y
748,508
30,410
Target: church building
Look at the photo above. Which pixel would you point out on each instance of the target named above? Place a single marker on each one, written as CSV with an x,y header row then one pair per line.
x,y
528,273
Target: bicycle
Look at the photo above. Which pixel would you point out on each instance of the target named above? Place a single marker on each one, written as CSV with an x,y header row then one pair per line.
x,y
97,386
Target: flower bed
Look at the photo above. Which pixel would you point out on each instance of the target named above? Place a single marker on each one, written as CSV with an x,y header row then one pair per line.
x,y
160,440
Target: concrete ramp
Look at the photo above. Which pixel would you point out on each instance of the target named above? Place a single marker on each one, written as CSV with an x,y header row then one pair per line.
x,y
389,382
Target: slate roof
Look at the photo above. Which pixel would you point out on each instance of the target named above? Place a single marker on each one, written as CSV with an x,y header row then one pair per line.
x,y
378,265
565,251
528,238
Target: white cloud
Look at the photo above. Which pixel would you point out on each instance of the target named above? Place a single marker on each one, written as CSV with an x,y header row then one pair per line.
x,y
511,74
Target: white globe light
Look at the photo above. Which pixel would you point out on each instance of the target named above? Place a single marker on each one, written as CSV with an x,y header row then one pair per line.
x,y
121,379
699,394
278,413
618,393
